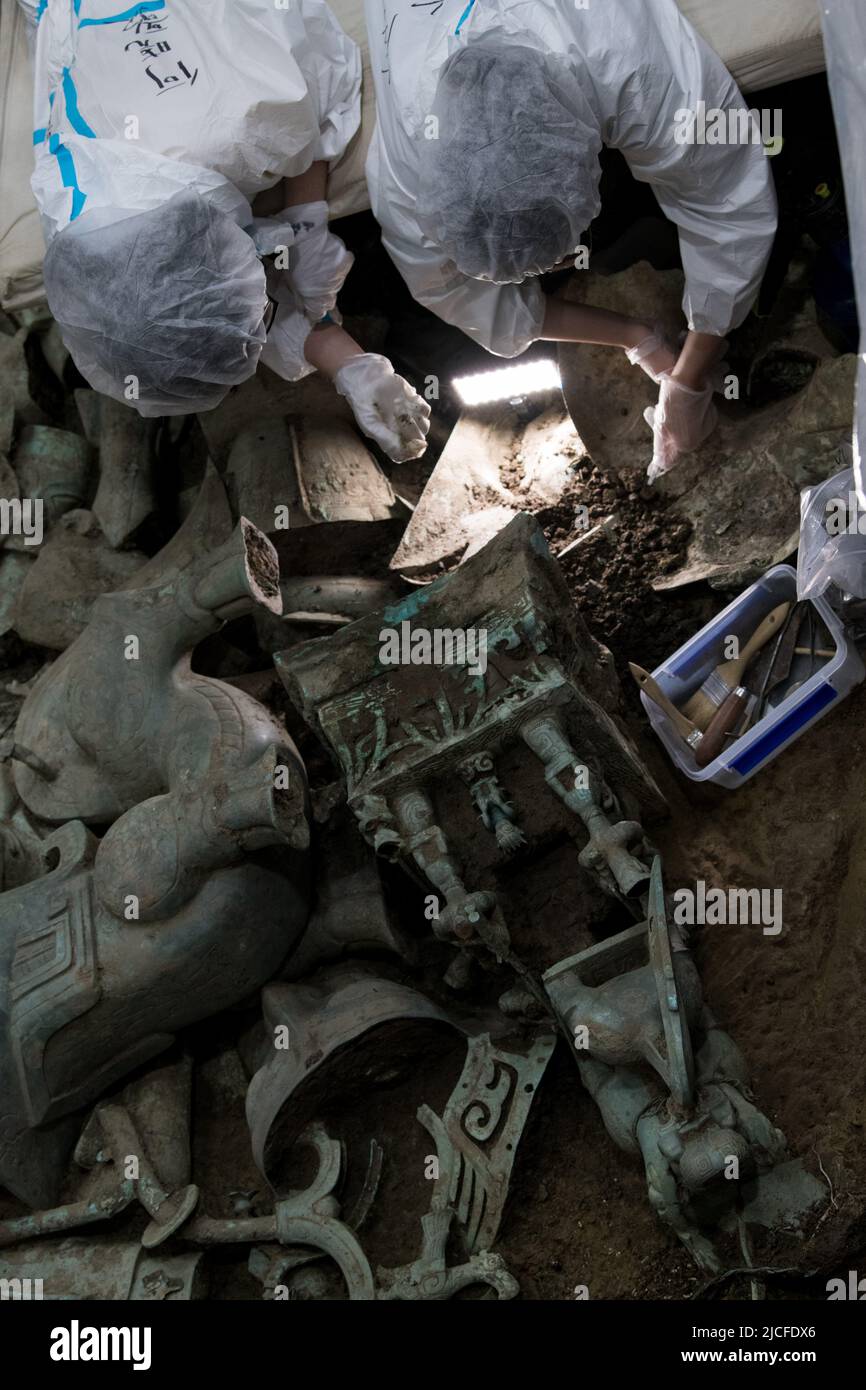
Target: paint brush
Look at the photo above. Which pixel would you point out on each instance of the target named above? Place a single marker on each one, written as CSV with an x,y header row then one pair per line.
x,y
684,727
707,746
702,706
723,723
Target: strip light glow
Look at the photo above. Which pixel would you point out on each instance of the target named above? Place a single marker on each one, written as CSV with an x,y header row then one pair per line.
x,y
527,379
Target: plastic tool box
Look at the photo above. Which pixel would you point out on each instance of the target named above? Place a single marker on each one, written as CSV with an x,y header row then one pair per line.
x,y
685,672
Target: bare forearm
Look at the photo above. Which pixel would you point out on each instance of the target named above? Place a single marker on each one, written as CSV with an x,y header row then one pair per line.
x,y
328,347
700,353
309,187
581,323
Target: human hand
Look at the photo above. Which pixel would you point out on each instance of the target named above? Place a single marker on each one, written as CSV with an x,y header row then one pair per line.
x,y
385,406
680,422
318,260
656,352
283,351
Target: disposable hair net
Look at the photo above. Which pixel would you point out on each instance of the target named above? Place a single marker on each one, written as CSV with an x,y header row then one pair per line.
x,y
168,303
511,181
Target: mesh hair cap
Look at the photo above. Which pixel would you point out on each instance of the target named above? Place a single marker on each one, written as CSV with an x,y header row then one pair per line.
x,y
168,303
511,183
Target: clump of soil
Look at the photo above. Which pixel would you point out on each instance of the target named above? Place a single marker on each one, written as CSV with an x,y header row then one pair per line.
x,y
610,575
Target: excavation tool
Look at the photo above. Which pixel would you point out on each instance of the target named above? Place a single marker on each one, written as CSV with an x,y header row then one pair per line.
x,y
774,663
604,527
708,745
684,727
703,705
770,660
724,723
775,667
792,675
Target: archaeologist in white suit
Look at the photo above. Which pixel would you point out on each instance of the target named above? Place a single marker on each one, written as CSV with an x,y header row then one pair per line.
x,y
484,174
156,126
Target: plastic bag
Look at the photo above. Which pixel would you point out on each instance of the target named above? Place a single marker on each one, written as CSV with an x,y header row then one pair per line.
x,y
832,538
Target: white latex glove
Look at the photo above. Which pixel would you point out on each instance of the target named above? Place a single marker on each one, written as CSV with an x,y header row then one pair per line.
x,y
385,405
680,422
318,260
283,351
656,354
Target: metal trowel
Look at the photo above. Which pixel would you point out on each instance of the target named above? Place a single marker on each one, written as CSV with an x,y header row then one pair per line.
x,y
775,668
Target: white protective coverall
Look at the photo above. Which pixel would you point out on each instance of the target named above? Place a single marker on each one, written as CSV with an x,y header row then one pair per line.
x,y
638,64
139,103
225,96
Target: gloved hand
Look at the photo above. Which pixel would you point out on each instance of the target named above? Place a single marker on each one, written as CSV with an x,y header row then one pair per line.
x,y
656,354
385,405
318,261
680,422
283,351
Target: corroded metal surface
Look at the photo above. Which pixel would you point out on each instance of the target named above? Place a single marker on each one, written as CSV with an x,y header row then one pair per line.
x,y
196,890
346,1027
401,731
478,1134
670,1084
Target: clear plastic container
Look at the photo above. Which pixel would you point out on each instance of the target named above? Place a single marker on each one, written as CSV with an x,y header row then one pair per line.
x,y
685,672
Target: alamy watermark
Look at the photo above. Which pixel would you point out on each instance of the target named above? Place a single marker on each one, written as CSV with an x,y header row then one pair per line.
x,y
438,646
852,1289
756,907
20,1290
845,517
77,1343
713,125
22,517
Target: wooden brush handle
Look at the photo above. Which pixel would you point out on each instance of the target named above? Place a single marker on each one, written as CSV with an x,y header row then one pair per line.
x,y
683,726
720,726
762,634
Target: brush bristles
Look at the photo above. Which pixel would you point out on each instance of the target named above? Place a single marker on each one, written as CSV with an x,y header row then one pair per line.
x,y
702,706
